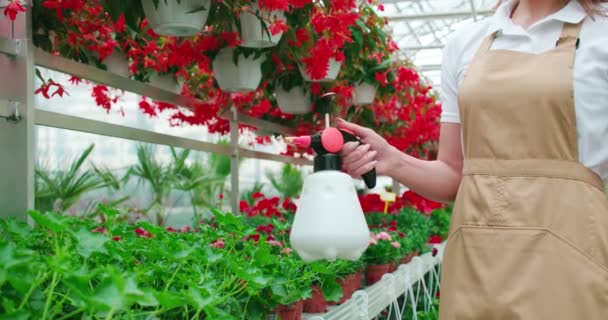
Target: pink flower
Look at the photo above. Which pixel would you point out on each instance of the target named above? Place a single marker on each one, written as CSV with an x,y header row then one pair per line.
x,y
396,244
286,250
373,240
383,236
275,243
218,244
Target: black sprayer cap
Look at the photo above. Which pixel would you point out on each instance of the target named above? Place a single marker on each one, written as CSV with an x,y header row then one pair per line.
x,y
328,161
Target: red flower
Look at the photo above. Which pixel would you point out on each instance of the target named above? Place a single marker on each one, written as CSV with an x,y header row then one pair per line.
x,y
220,244
120,24
75,80
13,8
143,233
221,196
257,195
116,238
99,230
277,27
171,229
435,240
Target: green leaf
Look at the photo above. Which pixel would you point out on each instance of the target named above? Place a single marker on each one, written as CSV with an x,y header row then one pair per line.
x,y
18,228
89,242
279,290
199,298
50,220
148,299
106,297
16,315
332,291
170,300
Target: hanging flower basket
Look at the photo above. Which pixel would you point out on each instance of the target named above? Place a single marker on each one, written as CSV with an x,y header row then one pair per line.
x,y
332,73
181,18
166,82
118,64
254,31
364,94
295,101
242,77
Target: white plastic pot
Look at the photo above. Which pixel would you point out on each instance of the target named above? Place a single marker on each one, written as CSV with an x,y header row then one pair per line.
x,y
118,64
176,19
166,82
242,77
294,101
332,74
253,33
364,94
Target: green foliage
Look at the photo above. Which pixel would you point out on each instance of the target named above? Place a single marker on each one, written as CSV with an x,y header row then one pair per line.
x,y
69,268
440,222
289,182
59,190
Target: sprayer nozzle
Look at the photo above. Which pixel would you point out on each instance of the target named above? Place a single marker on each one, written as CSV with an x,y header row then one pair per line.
x,y
302,141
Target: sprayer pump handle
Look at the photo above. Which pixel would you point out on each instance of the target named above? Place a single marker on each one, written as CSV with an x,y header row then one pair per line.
x,y
369,177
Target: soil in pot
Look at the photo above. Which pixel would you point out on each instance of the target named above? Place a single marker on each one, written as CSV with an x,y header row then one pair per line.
x,y
290,312
375,272
317,303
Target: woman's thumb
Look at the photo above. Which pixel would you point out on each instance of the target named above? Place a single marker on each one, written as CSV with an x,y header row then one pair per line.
x,y
358,130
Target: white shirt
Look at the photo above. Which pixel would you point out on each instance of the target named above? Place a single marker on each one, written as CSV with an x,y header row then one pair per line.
x,y
590,69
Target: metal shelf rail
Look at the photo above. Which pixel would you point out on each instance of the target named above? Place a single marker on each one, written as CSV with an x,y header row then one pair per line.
x,y
406,286
17,62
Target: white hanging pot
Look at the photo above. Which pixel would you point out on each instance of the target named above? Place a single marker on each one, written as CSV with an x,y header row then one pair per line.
x,y
332,74
254,33
364,94
295,101
171,18
242,77
166,82
118,64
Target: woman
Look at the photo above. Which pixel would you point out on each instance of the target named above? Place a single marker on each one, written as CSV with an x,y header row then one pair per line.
x,y
524,154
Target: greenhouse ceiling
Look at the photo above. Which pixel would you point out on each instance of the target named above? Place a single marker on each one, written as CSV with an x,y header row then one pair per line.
x,y
421,27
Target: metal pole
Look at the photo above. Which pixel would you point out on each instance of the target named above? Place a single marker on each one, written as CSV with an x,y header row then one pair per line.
x,y
17,135
234,163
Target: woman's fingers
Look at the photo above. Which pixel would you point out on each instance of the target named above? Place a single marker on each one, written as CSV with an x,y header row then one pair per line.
x,y
364,169
356,154
358,130
362,161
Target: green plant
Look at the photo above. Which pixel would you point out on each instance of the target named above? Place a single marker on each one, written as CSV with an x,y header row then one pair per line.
x,y
383,249
440,222
289,182
159,177
59,190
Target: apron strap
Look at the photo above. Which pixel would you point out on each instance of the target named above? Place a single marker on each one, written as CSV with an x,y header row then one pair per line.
x,y
570,35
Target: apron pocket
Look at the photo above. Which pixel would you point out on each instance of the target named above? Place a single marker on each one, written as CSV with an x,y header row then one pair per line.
x,y
520,273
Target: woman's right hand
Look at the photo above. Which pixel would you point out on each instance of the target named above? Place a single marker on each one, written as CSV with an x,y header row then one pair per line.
x,y
373,152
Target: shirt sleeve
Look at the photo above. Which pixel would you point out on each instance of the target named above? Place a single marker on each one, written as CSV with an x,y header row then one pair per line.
x,y
449,83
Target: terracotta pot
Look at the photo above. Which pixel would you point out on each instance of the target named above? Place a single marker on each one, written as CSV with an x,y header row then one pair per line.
x,y
408,258
317,303
290,312
375,272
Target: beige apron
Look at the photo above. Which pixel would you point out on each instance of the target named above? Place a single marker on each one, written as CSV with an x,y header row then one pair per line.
x,y
529,233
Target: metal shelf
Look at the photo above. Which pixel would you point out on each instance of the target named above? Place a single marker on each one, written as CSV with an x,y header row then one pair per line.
x,y
92,73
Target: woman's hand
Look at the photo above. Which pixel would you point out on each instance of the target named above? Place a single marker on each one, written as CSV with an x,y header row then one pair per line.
x,y
373,152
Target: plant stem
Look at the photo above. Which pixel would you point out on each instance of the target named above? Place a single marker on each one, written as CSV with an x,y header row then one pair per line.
x,y
198,312
110,314
69,315
31,290
172,277
49,297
